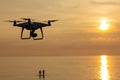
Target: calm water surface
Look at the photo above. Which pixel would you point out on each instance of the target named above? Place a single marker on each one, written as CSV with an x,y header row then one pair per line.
x,y
60,68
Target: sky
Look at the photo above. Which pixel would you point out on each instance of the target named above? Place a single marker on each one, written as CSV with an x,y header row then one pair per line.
x,y
76,33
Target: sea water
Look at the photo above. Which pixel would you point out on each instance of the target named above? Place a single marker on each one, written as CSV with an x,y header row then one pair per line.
x,y
60,68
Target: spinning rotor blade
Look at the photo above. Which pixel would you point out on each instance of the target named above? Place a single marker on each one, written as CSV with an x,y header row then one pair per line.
x,y
19,21
27,19
12,21
8,21
53,20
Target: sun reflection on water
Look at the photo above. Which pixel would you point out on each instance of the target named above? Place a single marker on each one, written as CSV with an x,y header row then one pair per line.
x,y
104,74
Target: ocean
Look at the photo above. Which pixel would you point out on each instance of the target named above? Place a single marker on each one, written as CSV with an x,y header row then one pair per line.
x,y
60,68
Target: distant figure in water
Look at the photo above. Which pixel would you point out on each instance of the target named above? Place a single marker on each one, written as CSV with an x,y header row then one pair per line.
x,y
42,73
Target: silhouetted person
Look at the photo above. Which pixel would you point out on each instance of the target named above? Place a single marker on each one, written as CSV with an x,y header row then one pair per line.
x,y
43,73
40,73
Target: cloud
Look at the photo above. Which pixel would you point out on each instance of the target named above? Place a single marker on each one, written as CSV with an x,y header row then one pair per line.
x,y
105,3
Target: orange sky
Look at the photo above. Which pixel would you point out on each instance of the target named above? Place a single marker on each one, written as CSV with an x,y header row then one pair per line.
x,y
76,33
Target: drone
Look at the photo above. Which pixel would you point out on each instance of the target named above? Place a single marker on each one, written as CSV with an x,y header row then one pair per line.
x,y
32,27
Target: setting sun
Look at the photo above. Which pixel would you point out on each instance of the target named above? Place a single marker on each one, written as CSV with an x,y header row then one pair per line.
x,y
104,25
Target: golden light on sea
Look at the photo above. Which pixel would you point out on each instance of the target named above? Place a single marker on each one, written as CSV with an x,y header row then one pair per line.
x,y
104,73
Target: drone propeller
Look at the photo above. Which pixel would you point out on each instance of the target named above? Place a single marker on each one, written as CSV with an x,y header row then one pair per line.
x,y
12,21
8,21
27,19
51,20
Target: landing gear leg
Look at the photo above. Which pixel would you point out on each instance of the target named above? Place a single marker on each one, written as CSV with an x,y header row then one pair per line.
x,y
22,35
40,37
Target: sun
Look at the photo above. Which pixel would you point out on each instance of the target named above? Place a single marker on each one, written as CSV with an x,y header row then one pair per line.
x,y
104,25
